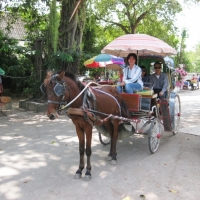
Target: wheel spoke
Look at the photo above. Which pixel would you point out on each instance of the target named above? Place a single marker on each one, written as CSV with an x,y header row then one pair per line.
x,y
154,130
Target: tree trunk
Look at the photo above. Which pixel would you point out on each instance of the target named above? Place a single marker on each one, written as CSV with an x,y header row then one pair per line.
x,y
71,33
38,60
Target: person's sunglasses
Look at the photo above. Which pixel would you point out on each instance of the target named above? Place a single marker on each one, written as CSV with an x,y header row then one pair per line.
x,y
157,67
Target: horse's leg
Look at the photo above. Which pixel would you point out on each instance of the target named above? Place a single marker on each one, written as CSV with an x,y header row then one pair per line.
x,y
81,137
109,127
88,131
113,131
114,142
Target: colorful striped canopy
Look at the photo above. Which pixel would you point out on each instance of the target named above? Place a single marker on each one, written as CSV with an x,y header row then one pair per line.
x,y
102,60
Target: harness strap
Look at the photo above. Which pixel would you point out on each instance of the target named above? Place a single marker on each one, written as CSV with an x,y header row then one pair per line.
x,y
85,98
84,106
94,99
93,120
113,98
56,102
87,104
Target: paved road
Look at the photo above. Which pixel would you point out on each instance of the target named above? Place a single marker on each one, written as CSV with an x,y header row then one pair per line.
x,y
39,157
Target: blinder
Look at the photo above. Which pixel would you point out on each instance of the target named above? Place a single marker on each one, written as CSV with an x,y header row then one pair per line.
x,y
59,89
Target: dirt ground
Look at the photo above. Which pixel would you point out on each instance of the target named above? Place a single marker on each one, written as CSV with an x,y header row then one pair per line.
x,y
39,157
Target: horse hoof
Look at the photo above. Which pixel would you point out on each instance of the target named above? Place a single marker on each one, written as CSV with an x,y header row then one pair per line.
x,y
109,158
77,176
113,162
87,178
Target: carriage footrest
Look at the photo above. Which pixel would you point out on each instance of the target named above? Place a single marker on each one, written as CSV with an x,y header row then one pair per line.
x,y
164,108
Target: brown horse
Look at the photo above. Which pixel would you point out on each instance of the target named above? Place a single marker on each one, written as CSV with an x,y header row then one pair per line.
x,y
93,107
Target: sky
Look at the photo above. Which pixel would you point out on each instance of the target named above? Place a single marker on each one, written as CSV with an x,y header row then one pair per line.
x,y
189,18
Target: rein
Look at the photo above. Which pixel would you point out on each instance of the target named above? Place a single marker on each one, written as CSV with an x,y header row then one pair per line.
x,y
56,102
63,107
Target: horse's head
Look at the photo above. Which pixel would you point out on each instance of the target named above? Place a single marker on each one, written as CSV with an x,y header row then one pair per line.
x,y
56,89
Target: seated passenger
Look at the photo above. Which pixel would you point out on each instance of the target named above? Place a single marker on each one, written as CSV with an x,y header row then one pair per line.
x,y
145,78
132,80
194,78
193,81
159,81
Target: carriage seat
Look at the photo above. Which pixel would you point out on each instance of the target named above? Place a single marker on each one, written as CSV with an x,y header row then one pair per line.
x,y
139,101
132,101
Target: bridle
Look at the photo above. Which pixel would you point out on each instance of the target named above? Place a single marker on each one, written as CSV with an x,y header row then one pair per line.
x,y
59,89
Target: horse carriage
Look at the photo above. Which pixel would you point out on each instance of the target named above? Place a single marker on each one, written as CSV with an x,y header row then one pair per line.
x,y
114,115
147,110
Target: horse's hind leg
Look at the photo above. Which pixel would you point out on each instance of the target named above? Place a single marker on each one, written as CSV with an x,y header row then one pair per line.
x,y
113,130
110,131
81,138
114,143
88,152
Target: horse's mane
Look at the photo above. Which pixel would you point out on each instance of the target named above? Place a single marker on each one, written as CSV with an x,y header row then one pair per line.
x,y
74,78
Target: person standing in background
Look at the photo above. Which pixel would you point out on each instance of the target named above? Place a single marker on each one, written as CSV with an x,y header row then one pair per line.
x,y
198,79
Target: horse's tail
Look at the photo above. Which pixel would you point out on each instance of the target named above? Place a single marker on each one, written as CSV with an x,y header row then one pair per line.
x,y
124,109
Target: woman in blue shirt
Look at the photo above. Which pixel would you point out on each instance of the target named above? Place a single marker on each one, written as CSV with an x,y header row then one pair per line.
x,y
132,80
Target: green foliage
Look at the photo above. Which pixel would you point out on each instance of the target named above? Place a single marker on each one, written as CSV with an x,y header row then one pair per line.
x,y
53,25
32,87
194,58
127,15
58,57
105,21
63,56
14,63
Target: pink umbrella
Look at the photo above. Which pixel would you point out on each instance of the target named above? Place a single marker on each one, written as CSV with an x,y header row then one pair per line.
x,y
140,44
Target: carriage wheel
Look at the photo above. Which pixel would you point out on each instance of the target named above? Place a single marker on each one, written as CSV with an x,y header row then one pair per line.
x,y
154,135
177,114
103,139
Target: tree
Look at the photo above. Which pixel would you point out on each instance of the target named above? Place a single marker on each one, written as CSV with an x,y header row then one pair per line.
x,y
182,46
128,14
71,32
194,58
15,63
